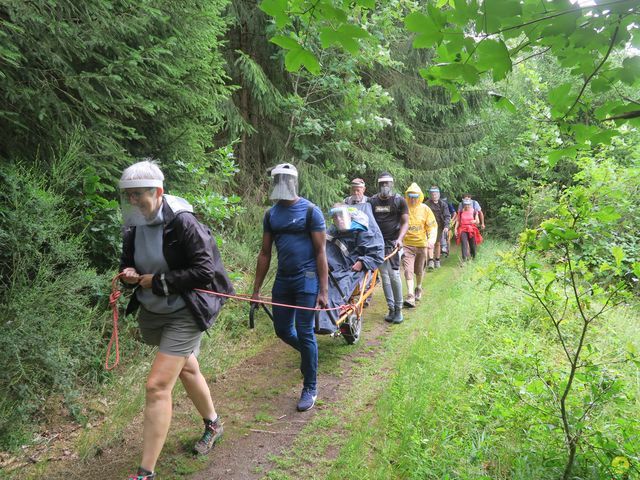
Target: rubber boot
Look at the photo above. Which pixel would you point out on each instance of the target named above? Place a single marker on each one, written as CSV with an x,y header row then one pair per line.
x,y
397,316
389,316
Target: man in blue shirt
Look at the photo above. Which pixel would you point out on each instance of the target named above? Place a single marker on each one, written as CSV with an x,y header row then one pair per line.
x,y
298,229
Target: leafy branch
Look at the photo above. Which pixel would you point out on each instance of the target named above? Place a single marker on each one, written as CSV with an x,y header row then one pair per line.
x,y
597,69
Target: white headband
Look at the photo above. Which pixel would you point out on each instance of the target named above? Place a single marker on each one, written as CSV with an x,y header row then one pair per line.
x,y
140,182
283,170
385,178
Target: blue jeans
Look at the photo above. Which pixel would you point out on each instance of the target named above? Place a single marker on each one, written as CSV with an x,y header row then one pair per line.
x,y
295,327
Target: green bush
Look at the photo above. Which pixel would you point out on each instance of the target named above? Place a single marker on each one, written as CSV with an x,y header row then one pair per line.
x,y
50,329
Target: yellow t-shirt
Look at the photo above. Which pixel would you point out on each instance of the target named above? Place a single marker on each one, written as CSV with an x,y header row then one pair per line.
x,y
422,226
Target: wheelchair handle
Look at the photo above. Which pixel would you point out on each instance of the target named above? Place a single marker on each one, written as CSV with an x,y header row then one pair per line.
x,y
252,313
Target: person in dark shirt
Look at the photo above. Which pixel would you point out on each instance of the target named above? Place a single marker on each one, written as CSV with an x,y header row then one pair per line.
x,y
298,229
391,213
441,211
445,241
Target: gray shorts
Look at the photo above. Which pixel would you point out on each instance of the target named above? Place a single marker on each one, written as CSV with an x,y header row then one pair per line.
x,y
175,333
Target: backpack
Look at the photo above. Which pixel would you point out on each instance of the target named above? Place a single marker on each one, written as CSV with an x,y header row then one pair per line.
x,y
307,225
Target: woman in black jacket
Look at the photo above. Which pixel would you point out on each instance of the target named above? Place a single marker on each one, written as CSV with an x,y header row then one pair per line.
x,y
167,254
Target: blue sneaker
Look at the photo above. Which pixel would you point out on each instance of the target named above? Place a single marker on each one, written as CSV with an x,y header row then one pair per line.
x,y
307,399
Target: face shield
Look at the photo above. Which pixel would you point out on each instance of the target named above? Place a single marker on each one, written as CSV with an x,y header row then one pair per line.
x,y
385,188
385,185
414,198
341,218
139,201
284,182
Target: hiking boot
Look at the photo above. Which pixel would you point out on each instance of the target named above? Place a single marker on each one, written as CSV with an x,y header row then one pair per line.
x,y
389,316
397,316
307,399
142,475
431,265
212,433
410,301
418,294
437,263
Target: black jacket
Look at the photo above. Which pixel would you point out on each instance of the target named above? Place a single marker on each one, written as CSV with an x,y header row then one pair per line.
x,y
194,262
441,212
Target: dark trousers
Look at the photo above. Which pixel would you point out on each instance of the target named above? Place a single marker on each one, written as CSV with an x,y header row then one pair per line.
x,y
295,327
468,243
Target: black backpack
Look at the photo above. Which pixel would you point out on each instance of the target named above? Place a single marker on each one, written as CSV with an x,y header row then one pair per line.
x,y
307,225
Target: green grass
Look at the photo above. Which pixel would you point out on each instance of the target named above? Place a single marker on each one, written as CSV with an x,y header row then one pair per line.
x,y
461,405
453,394
263,417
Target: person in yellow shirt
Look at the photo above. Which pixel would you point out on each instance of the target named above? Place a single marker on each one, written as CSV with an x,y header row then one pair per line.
x,y
418,242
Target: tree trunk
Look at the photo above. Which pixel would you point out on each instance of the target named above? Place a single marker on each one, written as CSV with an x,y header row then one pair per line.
x,y
572,455
244,101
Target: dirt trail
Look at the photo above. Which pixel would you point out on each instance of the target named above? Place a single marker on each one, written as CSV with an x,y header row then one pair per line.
x,y
247,456
256,400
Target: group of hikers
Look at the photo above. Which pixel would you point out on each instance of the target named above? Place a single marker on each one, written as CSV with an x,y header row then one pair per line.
x,y
172,260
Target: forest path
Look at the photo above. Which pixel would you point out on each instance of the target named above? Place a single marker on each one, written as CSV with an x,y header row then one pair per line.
x,y
257,402
302,445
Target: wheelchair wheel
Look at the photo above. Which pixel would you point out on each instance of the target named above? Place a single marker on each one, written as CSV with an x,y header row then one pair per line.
x,y
351,328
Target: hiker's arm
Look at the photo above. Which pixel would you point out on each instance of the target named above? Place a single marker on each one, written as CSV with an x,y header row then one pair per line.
x,y
404,226
319,240
263,262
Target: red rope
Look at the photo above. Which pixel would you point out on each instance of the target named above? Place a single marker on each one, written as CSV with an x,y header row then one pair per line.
x,y
267,301
113,303
115,295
